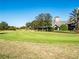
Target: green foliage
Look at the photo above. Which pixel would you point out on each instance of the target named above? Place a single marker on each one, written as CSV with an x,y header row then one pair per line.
x,y
28,24
74,18
3,26
42,20
22,27
11,28
50,29
63,27
34,24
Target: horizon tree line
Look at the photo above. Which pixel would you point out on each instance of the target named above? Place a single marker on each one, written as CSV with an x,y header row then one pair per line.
x,y
43,22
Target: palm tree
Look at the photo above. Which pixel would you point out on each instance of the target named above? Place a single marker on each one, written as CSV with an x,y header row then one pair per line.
x,y
75,17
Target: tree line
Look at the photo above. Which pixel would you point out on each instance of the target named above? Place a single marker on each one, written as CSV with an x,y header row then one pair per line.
x,y
5,26
43,22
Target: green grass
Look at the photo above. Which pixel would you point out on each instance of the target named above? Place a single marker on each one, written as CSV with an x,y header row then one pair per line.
x,y
40,37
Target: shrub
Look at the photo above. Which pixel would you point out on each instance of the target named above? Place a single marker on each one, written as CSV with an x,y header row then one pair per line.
x,y
11,28
63,27
50,29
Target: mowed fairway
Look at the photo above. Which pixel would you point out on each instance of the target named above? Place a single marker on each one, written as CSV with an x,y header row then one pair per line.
x,y
38,45
40,37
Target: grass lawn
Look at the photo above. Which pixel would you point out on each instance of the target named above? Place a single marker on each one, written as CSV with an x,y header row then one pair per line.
x,y
24,45
40,37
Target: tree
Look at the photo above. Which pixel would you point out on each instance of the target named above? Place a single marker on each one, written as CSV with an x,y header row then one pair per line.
x,y
48,20
11,28
3,26
43,20
22,27
74,18
28,25
34,24
63,27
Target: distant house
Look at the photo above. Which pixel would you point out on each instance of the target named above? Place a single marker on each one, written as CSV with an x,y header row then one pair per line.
x,y
57,23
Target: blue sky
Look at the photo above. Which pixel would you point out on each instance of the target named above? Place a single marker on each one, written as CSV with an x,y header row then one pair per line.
x,y
18,12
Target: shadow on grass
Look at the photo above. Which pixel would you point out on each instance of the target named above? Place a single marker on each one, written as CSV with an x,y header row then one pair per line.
x,y
3,33
67,32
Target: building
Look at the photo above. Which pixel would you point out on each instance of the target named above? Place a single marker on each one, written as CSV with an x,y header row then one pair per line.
x,y
57,22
